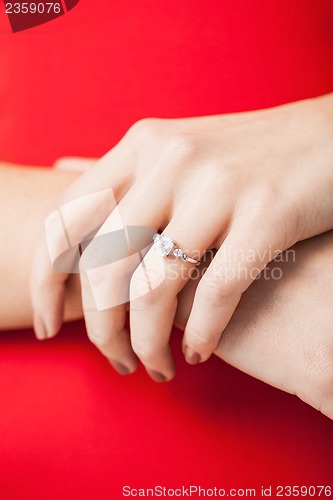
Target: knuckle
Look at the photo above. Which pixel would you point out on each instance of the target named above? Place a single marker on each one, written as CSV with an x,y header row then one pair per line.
x,y
199,340
266,195
219,180
145,298
257,206
99,339
217,289
262,202
145,353
267,213
146,289
143,129
179,148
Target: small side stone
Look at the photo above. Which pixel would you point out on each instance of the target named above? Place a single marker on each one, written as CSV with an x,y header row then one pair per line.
x,y
177,252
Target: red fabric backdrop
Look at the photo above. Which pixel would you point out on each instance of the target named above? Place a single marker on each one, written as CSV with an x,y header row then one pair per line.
x,y
71,427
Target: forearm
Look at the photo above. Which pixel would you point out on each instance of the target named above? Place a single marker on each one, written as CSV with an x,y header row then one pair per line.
x,y
25,194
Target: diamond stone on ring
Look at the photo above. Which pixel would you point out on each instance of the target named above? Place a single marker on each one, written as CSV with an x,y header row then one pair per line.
x,y
164,246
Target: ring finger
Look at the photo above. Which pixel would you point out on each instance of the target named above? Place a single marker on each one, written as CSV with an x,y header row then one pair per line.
x,y
153,293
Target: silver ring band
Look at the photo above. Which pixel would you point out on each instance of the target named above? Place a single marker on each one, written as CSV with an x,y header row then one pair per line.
x,y
164,246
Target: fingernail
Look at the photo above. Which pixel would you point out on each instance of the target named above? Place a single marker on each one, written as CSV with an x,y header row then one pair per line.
x,y
119,367
52,326
157,376
192,357
39,327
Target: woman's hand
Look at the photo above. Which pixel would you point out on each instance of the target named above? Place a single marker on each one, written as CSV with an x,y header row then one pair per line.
x,y
281,331
249,185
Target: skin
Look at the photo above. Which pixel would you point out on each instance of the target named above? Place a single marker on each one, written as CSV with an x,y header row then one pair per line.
x,y
282,329
254,182
25,195
267,337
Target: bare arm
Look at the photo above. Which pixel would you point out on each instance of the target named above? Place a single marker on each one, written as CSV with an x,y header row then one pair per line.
x,y
25,194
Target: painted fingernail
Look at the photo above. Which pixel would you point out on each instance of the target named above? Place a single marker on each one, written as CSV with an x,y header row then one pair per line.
x,y
192,357
157,376
119,367
39,327
52,326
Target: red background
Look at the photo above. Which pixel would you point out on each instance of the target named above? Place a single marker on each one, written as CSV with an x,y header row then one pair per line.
x,y
71,427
